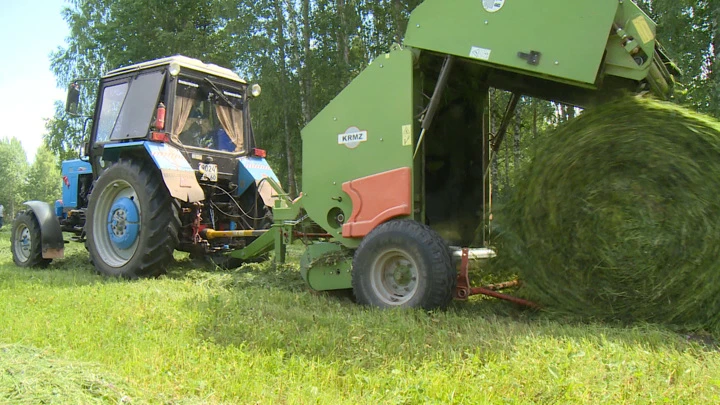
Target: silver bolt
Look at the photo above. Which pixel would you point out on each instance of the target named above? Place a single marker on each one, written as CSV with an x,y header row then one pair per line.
x,y
486,22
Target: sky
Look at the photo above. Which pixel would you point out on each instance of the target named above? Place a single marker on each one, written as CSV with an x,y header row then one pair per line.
x,y
30,30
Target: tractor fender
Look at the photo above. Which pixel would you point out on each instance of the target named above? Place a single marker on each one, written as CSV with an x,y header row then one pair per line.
x,y
256,170
178,176
51,237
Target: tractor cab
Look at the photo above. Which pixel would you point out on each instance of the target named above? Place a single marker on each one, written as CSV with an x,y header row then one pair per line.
x,y
200,109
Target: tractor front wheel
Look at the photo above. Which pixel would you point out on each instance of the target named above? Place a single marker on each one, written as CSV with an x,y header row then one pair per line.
x,y
403,263
25,241
132,224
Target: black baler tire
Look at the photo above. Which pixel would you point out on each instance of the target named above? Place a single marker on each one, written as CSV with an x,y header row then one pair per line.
x,y
437,277
28,219
159,221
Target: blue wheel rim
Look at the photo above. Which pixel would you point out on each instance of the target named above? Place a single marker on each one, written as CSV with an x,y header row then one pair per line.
x,y
123,223
116,223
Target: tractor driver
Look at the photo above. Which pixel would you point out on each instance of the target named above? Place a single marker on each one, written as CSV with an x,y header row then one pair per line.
x,y
198,129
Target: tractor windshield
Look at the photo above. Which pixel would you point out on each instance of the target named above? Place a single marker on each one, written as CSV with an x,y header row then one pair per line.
x,y
208,115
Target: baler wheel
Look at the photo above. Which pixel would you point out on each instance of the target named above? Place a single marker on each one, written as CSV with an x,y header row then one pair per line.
x,y
403,263
132,224
25,241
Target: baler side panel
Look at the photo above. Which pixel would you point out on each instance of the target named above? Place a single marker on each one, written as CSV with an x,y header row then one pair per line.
x,y
570,36
376,199
367,129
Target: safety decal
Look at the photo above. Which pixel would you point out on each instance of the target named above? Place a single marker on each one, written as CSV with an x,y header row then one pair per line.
x,y
407,135
480,53
352,137
493,5
643,29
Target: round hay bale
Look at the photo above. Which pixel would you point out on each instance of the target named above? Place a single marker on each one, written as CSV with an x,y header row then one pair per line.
x,y
618,216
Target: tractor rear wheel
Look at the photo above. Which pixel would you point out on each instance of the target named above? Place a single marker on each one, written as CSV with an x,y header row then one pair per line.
x,y
132,224
403,263
25,241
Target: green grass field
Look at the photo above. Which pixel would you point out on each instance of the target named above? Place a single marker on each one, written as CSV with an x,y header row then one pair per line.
x,y
258,335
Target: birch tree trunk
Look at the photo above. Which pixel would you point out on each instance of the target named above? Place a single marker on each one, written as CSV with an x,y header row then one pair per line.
x,y
281,42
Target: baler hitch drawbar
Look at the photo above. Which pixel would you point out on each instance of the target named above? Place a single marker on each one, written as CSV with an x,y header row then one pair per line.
x,y
463,290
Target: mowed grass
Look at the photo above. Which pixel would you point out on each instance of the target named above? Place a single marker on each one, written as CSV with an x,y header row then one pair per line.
x,y
258,335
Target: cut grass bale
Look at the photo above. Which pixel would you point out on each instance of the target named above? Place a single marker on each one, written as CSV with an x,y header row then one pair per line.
x,y
617,217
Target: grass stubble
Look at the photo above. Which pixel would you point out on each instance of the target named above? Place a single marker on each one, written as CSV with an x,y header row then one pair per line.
x,y
257,335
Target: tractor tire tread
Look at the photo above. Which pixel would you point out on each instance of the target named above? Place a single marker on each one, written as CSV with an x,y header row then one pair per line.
x,y
35,260
163,225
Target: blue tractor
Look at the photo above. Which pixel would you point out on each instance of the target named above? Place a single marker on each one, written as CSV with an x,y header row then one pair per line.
x,y
170,164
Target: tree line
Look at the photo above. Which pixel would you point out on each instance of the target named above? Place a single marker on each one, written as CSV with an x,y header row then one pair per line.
x,y
304,52
22,181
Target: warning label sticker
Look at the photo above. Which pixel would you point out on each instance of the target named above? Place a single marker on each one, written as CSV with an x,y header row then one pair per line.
x,y
407,135
643,29
479,53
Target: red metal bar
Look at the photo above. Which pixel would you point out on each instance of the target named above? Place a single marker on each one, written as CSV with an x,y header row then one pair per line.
x,y
491,293
463,289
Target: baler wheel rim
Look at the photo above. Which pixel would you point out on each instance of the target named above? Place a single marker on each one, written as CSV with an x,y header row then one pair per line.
x,y
394,276
414,245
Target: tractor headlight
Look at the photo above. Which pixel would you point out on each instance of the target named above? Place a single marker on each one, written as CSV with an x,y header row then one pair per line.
x,y
255,90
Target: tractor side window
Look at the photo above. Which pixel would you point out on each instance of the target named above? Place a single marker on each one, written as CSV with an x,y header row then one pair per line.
x,y
139,107
112,100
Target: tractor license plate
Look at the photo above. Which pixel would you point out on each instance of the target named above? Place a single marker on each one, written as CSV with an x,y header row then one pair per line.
x,y
209,171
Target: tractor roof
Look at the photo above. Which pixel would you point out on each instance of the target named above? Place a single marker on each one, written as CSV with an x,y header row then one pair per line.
x,y
184,62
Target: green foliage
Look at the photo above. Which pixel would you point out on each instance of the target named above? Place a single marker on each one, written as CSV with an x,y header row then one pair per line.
x,y
531,120
617,218
13,169
108,34
302,52
43,179
64,134
691,32
305,52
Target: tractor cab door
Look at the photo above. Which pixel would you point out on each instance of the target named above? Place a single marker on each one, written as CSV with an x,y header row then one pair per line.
x,y
126,105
